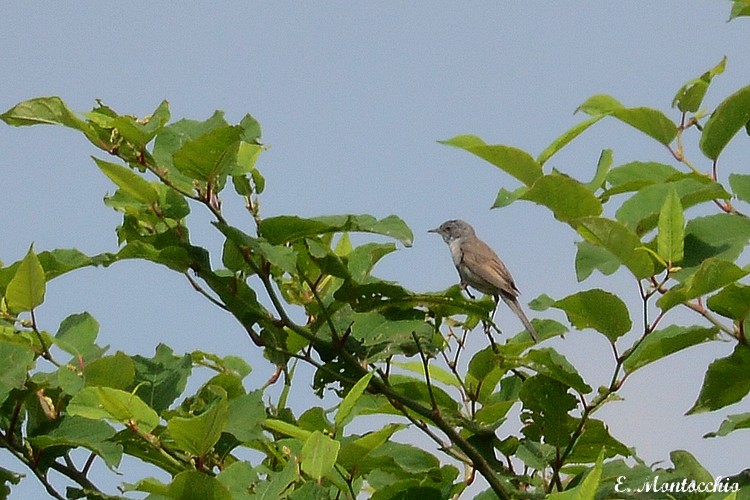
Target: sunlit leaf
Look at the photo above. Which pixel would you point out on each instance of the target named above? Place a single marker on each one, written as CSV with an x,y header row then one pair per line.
x,y
567,198
26,290
599,310
661,343
729,118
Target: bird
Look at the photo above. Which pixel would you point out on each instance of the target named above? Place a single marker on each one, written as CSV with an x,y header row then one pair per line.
x,y
480,268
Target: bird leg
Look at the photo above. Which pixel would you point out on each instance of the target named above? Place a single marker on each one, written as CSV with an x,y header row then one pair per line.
x,y
465,287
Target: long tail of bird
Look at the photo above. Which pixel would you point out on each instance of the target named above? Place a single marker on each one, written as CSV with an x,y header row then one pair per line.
x,y
512,302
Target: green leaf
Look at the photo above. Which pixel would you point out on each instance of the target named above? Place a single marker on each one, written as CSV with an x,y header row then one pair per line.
x,y
319,455
728,118
590,257
26,290
116,371
74,431
649,121
733,301
130,182
505,197
140,132
594,440
740,184
513,161
355,450
739,8
113,404
618,240
195,484
162,379
726,381
731,424
246,415
17,361
602,170
588,488
43,110
567,198
281,256
198,435
723,236
635,175
287,228
77,334
548,402
554,365
565,138
671,238
641,211
712,275
209,156
597,309
661,343
690,96
286,428
346,406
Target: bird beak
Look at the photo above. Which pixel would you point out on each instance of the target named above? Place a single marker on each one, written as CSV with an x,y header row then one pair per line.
x,y
433,230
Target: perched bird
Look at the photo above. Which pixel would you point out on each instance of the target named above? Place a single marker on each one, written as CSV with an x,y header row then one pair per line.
x,y
480,268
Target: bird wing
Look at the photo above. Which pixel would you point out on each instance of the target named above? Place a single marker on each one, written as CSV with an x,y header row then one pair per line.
x,y
487,265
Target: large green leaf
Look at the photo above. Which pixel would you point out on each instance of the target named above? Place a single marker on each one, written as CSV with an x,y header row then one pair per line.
x,y
594,440
566,197
286,228
671,238
187,485
198,435
726,381
587,489
549,403
319,455
514,161
649,121
661,343
620,241
162,379
209,156
26,290
77,335
113,404
728,119
354,450
130,182
597,309
117,371
43,110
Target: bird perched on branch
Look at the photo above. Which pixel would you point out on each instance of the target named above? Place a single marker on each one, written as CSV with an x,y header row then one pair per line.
x,y
480,268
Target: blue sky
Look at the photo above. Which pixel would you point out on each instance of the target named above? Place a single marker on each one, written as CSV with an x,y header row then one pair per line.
x,y
352,100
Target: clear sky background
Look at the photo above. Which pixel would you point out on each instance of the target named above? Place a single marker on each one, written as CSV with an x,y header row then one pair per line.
x,y
352,99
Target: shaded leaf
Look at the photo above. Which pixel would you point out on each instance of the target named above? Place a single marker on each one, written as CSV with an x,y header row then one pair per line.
x,y
75,431
723,236
554,365
690,96
162,379
740,184
731,424
726,381
348,403
17,361
594,440
591,257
